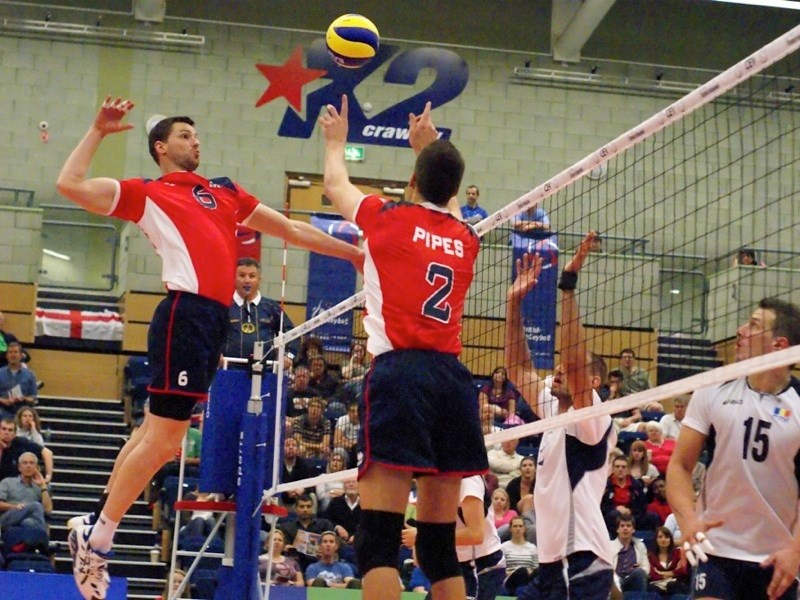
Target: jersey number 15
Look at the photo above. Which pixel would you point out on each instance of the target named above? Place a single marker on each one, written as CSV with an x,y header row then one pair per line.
x,y
760,440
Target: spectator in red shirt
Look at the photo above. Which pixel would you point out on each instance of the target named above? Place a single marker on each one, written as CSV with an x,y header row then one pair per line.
x,y
668,574
660,448
625,495
659,505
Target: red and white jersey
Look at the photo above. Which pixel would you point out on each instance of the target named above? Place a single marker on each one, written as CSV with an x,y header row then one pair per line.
x,y
191,221
417,270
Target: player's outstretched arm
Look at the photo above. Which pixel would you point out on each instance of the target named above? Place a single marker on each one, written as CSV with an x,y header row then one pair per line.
x,y
343,194
680,494
97,194
304,235
573,337
517,356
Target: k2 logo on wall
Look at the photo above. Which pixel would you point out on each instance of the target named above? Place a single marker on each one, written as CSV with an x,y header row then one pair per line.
x,y
389,127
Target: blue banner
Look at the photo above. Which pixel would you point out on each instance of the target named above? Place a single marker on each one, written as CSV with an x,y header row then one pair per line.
x,y
330,281
539,306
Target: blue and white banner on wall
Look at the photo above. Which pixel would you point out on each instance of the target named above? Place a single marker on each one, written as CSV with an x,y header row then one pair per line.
x,y
330,281
539,306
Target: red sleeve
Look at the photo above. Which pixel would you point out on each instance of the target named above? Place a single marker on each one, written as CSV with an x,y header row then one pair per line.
x,y
129,203
653,558
247,203
367,212
680,569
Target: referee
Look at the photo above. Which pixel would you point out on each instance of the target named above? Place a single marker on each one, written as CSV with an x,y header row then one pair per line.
x,y
253,318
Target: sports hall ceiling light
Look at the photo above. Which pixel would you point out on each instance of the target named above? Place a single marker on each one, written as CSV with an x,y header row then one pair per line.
x,y
136,36
790,4
55,254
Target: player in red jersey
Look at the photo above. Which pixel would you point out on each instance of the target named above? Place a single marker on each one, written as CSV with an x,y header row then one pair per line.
x,y
420,412
191,221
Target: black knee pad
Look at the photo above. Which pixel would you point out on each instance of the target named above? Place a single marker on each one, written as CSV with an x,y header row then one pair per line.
x,y
436,550
378,540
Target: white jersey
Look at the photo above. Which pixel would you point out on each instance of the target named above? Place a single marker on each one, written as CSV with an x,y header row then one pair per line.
x,y
474,486
754,462
571,477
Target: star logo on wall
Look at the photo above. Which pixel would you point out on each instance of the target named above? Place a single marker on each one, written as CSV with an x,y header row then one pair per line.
x,y
287,80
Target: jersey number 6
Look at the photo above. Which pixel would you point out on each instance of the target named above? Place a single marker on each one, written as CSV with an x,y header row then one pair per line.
x,y
436,306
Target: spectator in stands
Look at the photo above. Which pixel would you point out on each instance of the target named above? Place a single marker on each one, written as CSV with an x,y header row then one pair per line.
x,y
329,571
17,384
295,468
630,562
522,557
254,318
520,489
659,506
285,570
178,575
299,393
615,379
29,425
501,510
358,362
345,513
331,489
639,465
668,573
13,447
25,499
471,212
345,435
310,347
501,396
624,419
746,257
635,379
321,379
5,339
660,448
504,462
313,431
671,422
532,222
625,496
304,532
201,522
488,424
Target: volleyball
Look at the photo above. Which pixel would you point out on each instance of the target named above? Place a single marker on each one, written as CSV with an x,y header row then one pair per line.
x,y
352,40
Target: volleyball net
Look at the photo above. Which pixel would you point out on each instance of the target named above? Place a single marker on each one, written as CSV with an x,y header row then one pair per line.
x,y
697,209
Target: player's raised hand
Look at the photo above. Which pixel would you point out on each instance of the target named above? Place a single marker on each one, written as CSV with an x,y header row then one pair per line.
x,y
334,123
528,269
109,119
574,265
786,563
421,130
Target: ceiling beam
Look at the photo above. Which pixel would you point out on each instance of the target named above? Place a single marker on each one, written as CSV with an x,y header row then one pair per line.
x,y
573,22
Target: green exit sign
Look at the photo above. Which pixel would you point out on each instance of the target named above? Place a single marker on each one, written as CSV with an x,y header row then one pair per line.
x,y
354,153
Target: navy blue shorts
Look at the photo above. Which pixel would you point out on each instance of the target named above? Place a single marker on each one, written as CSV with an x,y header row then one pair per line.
x,y
732,579
183,348
580,575
420,414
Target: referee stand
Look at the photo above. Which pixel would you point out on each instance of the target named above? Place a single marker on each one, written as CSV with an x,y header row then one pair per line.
x,y
240,451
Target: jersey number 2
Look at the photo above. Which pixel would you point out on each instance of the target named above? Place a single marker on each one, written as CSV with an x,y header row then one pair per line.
x,y
436,306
